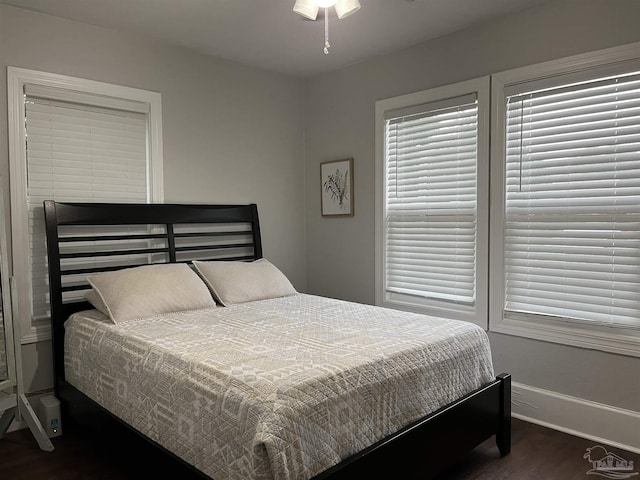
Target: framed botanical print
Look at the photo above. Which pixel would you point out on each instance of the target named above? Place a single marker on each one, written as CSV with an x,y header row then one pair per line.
x,y
336,187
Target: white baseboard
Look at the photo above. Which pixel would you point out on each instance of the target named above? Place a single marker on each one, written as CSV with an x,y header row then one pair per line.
x,y
601,423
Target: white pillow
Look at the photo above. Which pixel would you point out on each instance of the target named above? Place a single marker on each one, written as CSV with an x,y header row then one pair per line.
x,y
139,292
94,299
238,282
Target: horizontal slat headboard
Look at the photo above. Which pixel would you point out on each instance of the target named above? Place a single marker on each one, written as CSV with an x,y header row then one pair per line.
x,y
88,238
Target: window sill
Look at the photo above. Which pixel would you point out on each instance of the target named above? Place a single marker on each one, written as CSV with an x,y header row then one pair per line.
x,y
435,309
620,340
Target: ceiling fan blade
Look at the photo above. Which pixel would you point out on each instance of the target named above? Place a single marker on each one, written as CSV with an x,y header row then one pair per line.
x,y
306,8
344,8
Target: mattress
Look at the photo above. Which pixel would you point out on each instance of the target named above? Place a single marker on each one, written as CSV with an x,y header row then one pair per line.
x,y
274,389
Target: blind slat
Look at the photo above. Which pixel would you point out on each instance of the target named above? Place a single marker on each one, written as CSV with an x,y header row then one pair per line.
x,y
572,231
76,153
431,190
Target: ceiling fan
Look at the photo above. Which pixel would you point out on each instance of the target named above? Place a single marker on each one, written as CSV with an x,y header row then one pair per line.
x,y
309,9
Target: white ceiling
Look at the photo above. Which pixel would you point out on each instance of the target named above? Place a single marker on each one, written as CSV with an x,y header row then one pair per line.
x,y
268,34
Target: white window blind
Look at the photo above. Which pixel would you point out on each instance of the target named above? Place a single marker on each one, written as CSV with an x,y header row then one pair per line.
x,y
572,205
431,200
75,153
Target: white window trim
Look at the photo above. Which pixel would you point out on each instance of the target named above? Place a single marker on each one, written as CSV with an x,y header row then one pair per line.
x,y
36,331
622,340
480,86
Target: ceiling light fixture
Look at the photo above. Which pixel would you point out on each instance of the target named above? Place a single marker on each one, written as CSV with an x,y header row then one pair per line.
x,y
309,9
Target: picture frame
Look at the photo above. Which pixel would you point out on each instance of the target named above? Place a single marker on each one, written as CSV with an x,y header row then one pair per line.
x,y
336,188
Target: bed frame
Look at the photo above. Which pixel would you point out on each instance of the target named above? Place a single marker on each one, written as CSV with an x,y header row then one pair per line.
x,y
138,234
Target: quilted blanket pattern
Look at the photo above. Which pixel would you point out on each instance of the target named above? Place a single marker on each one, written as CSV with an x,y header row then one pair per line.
x,y
274,389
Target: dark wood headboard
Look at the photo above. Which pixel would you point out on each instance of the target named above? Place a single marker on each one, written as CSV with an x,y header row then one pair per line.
x,y
88,238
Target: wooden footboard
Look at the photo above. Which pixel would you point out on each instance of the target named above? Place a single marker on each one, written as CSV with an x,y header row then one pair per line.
x,y
430,445
419,451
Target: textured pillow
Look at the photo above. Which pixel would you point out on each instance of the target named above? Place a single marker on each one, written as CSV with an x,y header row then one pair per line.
x,y
149,290
238,282
94,299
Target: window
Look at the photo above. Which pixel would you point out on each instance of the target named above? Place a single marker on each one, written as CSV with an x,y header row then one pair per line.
x,y
566,219
75,141
431,201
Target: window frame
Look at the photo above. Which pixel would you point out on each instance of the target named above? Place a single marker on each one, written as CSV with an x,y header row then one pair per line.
x,y
617,339
40,330
479,311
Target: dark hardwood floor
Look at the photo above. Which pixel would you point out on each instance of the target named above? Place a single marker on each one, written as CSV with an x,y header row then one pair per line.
x,y
537,453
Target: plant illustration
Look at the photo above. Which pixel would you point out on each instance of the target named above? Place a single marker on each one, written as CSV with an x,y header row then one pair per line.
x,y
337,186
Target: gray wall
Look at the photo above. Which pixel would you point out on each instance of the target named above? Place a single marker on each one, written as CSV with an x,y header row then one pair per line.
x,y
231,133
340,123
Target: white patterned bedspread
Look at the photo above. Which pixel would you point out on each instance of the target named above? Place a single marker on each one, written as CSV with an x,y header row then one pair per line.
x,y
274,389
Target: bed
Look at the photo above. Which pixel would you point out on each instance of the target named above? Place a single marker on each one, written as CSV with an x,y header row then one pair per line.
x,y
283,386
